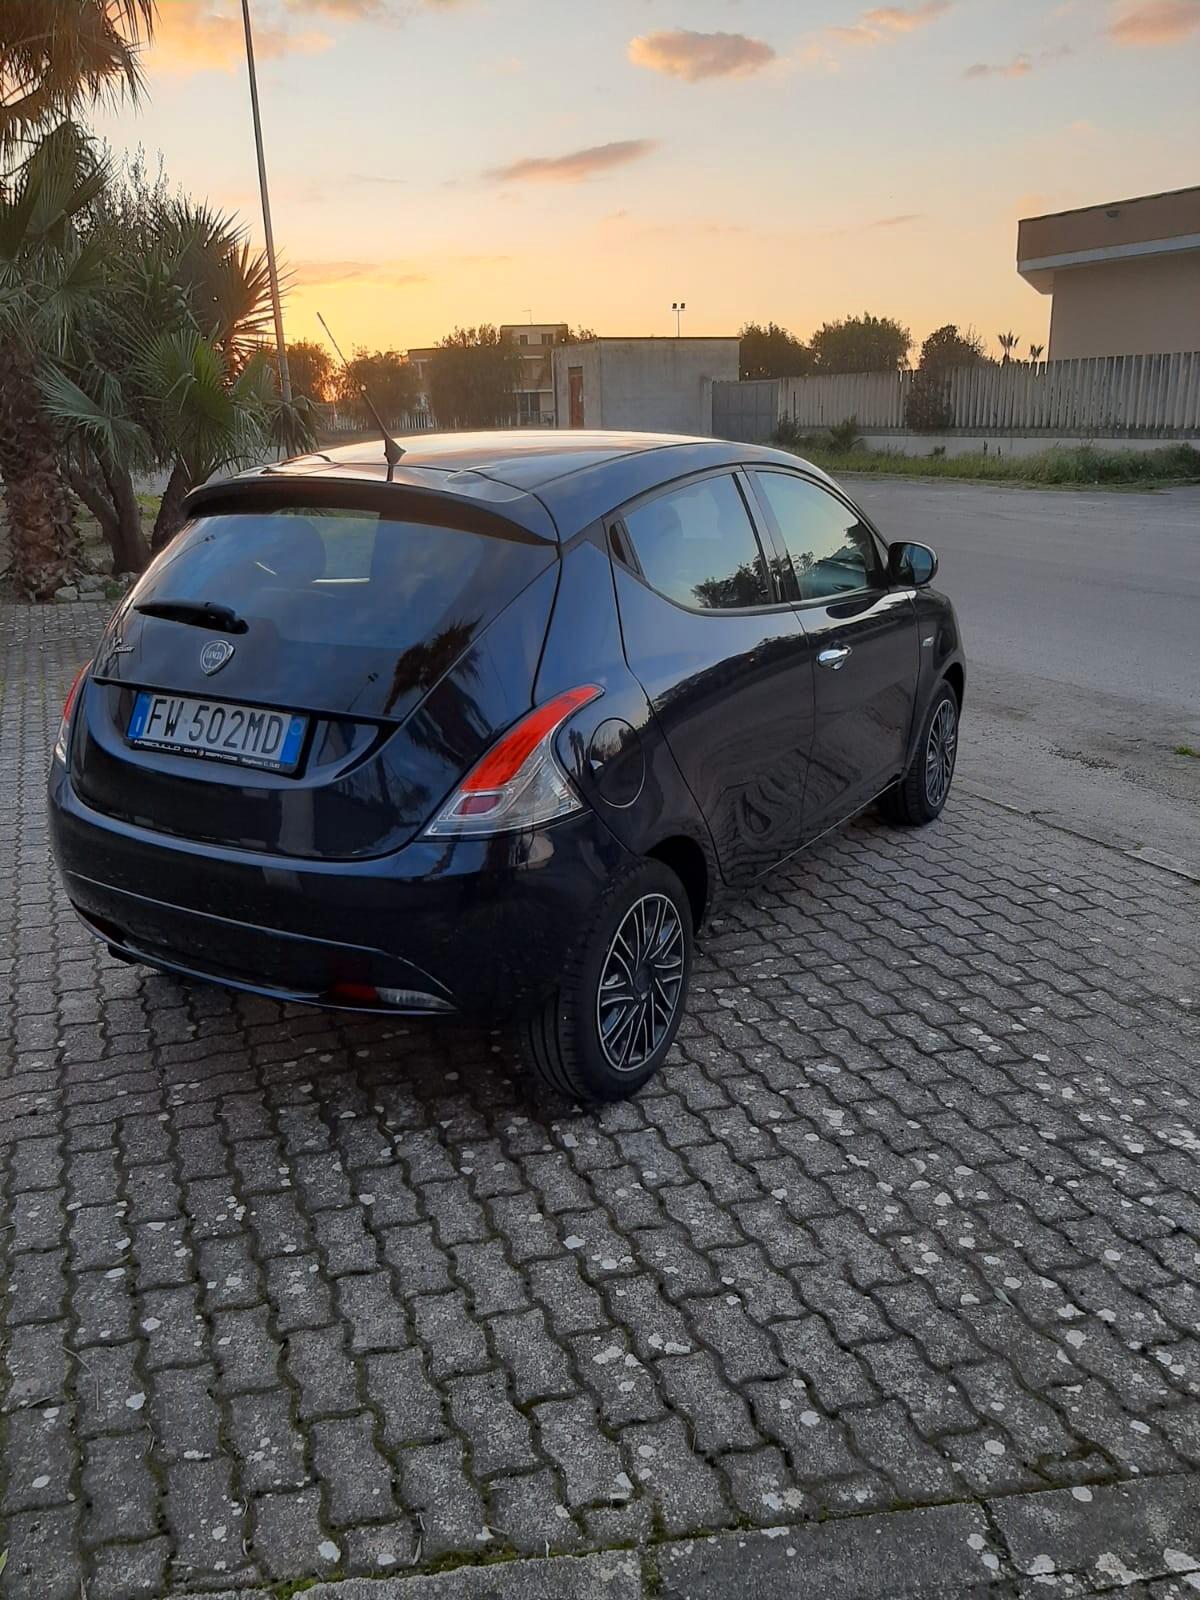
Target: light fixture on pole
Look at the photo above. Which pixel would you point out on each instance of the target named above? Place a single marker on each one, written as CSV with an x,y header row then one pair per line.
x,y
285,379
678,307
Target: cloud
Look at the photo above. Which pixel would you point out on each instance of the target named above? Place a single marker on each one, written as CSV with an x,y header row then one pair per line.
x,y
207,37
574,167
885,22
1156,22
310,274
1020,66
680,53
900,221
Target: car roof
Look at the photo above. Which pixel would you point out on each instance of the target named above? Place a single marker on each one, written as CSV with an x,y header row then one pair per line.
x,y
552,482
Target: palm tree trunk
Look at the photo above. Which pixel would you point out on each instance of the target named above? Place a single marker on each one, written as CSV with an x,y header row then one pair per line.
x,y
170,512
41,516
129,547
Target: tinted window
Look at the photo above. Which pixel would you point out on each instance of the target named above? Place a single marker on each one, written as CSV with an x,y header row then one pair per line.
x,y
342,607
832,552
696,545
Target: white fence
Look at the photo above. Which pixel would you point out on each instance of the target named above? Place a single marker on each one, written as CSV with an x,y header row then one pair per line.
x,y
1107,396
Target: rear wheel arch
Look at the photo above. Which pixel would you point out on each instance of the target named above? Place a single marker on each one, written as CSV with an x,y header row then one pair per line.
x,y
957,679
688,862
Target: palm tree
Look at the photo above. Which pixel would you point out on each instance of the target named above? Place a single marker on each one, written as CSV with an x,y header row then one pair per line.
x,y
46,277
168,369
1008,343
1035,352
59,55
55,56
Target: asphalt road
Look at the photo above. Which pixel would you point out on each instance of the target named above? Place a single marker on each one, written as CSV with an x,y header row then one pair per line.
x,y
1081,617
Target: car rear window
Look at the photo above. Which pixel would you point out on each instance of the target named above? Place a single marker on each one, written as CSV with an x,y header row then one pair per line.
x,y
340,604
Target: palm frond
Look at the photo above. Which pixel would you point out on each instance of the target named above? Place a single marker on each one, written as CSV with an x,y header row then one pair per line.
x,y
111,435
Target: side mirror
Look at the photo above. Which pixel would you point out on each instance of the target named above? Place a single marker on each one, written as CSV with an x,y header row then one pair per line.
x,y
912,563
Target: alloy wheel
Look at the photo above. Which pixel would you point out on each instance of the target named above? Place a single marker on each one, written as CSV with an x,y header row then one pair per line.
x,y
640,983
940,751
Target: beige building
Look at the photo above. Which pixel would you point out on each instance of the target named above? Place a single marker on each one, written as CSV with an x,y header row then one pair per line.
x,y
533,400
535,342
1125,276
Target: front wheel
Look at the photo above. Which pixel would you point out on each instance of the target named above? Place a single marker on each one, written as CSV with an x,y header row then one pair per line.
x,y
608,1027
923,790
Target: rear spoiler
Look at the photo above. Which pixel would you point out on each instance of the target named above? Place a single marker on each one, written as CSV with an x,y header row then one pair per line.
x,y
471,505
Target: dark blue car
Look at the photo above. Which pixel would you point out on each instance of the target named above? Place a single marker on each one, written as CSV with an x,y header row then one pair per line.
x,y
488,732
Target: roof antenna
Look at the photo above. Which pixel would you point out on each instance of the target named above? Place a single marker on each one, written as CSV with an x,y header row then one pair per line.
x,y
391,450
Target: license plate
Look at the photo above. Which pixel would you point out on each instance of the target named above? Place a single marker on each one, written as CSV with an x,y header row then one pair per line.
x,y
245,735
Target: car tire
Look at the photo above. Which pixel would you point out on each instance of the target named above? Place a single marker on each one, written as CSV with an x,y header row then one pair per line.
x,y
587,1043
922,792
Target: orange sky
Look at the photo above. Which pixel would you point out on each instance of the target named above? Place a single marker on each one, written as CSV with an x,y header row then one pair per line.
x,y
435,162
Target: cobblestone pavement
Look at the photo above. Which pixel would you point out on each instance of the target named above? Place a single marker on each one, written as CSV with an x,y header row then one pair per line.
x,y
911,1220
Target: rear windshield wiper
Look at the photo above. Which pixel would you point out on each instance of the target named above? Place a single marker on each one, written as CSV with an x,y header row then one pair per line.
x,y
198,613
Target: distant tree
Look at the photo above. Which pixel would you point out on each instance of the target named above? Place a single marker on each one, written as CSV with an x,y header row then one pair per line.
x,y
581,335
472,378
769,351
311,369
861,344
1008,343
388,378
1035,352
927,408
946,347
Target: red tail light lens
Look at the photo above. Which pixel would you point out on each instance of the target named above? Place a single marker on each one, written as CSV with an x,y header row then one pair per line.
x,y
63,740
518,783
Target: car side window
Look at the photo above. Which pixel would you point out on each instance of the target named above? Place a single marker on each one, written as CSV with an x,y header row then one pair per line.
x,y
696,545
832,552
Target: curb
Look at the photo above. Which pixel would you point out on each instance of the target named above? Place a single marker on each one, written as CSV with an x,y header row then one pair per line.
x,y
1068,1542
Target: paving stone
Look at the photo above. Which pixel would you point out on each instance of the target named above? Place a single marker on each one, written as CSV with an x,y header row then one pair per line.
x,y
289,1539
686,1489
906,1216
184,1412
497,1433
449,1509
317,1361
717,1415
357,1480
269,1446
538,1364
454,1342
121,1496
590,1464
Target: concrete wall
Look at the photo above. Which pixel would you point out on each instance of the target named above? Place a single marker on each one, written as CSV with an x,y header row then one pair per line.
x,y
1140,306
1011,444
650,385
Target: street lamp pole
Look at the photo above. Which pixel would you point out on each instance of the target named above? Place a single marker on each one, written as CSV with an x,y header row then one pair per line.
x,y
678,307
285,379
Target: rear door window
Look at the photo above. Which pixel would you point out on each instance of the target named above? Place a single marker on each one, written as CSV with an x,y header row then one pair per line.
x,y
831,551
696,545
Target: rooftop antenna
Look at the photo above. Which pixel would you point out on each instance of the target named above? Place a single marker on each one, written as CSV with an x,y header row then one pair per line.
x,y
391,450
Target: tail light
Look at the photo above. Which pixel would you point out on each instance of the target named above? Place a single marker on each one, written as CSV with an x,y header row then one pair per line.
x,y
68,711
519,783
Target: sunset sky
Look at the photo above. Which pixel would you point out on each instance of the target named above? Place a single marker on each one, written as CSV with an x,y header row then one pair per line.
x,y
435,162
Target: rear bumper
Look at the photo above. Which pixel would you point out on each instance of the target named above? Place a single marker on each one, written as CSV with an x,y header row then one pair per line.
x,y
478,927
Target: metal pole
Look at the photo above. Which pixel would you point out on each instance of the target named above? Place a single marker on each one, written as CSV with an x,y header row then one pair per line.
x,y
285,378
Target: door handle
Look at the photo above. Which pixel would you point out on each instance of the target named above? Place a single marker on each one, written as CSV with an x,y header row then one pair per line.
x,y
834,659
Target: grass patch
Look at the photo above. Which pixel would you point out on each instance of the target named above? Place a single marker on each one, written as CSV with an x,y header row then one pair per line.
x,y
1186,750
1080,466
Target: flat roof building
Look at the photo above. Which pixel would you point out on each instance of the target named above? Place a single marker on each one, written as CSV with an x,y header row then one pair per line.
x,y
1125,275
